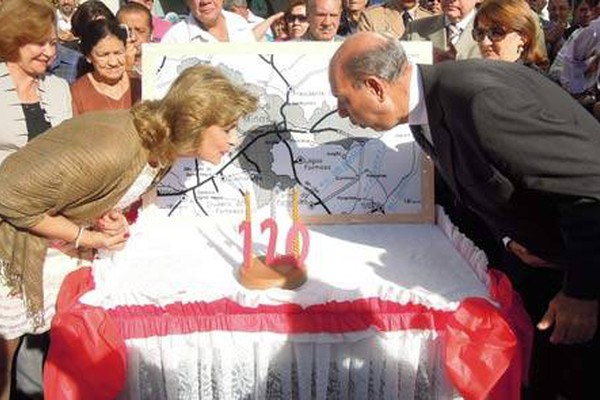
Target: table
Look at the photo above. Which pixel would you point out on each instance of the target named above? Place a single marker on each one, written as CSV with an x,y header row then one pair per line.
x,y
391,311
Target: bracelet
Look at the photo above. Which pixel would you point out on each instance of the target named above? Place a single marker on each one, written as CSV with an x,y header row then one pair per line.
x,y
78,237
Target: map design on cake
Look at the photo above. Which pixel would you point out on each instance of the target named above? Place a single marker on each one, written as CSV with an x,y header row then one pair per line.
x,y
295,138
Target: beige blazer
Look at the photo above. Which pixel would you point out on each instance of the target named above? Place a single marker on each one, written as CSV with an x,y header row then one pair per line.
x,y
434,29
55,100
387,18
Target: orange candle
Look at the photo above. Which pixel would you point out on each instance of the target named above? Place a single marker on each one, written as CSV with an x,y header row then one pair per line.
x,y
246,229
248,206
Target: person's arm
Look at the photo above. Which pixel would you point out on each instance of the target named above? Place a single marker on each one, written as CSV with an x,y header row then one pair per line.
x,y
60,228
263,27
549,153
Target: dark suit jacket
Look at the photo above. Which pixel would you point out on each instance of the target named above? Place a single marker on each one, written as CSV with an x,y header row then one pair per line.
x,y
525,156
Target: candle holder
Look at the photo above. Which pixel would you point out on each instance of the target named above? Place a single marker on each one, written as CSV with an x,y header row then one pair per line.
x,y
284,272
272,270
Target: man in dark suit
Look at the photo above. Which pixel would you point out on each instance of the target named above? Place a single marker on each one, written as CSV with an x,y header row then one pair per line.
x,y
512,146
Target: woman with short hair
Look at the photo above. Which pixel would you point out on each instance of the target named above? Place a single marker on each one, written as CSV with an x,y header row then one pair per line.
x,y
508,30
296,21
32,102
106,85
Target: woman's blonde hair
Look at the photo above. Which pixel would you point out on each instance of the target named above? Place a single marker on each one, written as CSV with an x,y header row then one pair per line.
x,y
199,98
23,22
516,15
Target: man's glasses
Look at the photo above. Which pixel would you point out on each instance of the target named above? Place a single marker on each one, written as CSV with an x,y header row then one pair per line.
x,y
290,18
495,33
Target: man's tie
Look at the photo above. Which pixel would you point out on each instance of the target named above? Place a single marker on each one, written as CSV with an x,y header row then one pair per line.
x,y
452,35
406,18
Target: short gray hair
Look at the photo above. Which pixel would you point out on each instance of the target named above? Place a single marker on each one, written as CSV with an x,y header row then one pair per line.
x,y
229,4
386,61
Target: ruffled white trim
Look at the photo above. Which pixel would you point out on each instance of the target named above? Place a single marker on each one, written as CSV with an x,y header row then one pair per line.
x,y
474,256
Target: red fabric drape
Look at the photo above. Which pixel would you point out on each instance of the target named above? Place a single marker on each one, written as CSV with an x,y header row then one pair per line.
x,y
87,358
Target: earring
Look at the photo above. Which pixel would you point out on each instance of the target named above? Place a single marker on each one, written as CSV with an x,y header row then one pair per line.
x,y
520,49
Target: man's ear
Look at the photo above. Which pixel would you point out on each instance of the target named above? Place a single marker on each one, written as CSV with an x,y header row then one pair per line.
x,y
375,86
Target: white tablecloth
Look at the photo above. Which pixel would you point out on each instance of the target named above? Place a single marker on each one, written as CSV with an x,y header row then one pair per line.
x,y
369,323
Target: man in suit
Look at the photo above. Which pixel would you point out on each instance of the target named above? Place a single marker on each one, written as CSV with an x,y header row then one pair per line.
x,y
391,18
450,32
517,150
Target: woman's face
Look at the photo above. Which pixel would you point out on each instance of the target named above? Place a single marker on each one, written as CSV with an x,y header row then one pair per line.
x,y
435,6
216,142
296,21
108,59
498,43
34,58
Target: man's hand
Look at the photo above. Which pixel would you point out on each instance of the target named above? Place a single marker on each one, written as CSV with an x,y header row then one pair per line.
x,y
440,55
574,320
527,257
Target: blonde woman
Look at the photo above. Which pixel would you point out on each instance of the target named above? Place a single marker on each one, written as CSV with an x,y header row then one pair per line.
x,y
96,163
31,102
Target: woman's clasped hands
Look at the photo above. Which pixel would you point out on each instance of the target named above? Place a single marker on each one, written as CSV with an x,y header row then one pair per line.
x,y
113,231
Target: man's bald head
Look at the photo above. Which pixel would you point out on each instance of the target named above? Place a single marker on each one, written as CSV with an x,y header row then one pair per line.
x,y
369,54
369,77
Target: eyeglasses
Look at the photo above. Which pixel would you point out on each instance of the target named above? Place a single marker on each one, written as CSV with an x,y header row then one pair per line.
x,y
495,33
290,18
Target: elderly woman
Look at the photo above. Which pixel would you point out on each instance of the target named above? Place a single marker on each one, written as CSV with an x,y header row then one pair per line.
x,y
99,162
508,30
107,85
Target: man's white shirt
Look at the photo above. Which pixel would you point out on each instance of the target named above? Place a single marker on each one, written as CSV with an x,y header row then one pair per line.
x,y
189,30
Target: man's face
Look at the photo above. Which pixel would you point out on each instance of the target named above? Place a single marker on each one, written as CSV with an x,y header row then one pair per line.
x,y
360,104
324,19
67,7
140,29
559,10
456,10
407,4
355,5
206,11
583,14
242,11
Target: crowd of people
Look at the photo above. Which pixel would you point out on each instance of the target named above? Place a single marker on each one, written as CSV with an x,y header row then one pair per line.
x,y
70,77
